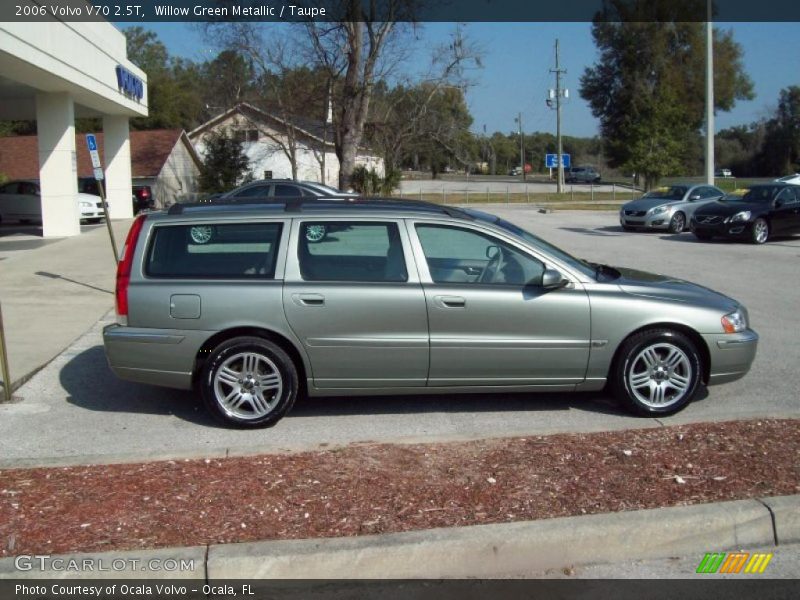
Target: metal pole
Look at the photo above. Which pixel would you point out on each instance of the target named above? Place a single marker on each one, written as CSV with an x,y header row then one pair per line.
x,y
521,148
614,191
108,220
560,165
4,361
507,196
709,97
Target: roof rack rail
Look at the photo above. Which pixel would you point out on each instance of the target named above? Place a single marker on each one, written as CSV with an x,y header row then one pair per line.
x,y
297,204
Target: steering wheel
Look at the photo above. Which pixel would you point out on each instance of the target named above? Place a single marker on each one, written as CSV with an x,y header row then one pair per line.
x,y
492,267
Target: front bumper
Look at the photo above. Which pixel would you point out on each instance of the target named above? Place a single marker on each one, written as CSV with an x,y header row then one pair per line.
x,y
731,355
660,221
738,230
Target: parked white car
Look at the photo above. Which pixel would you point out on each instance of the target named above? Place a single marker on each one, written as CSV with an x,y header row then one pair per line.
x,y
20,201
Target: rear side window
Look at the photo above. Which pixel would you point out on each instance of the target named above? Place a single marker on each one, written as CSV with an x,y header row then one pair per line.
x,y
351,251
217,251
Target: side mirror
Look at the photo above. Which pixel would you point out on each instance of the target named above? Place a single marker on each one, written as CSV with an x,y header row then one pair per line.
x,y
492,251
777,203
553,279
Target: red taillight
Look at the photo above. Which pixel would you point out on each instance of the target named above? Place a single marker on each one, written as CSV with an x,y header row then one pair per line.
x,y
144,193
124,266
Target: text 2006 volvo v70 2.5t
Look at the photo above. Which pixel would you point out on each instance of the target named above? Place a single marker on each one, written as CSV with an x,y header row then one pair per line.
x,y
403,298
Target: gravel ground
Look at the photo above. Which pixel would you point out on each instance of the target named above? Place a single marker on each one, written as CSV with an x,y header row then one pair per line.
x,y
376,488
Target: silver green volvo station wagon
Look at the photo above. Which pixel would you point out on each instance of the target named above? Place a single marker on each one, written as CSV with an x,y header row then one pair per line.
x,y
401,298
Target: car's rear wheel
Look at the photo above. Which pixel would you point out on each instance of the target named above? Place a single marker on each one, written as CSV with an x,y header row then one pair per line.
x,y
316,233
657,372
678,223
249,382
760,231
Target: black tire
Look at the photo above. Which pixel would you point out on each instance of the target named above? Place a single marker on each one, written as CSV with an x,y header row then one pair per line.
x,y
271,354
755,236
630,357
677,223
702,236
628,228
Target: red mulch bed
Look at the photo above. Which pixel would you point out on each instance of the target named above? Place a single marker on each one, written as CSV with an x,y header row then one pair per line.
x,y
371,489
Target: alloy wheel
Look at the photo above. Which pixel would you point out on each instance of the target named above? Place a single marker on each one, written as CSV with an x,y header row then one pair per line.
x,y
660,375
248,385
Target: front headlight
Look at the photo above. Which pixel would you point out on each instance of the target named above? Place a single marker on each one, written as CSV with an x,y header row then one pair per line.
x,y
741,217
659,209
86,204
735,322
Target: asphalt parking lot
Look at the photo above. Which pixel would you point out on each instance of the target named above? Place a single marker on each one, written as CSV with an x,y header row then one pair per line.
x,y
75,410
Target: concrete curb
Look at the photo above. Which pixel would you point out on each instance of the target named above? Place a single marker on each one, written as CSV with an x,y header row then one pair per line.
x,y
474,551
494,550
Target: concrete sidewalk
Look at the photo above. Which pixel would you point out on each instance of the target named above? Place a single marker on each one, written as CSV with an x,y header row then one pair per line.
x,y
51,294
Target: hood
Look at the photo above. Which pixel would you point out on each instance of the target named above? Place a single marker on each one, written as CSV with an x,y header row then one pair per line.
x,y
651,285
647,203
724,209
88,197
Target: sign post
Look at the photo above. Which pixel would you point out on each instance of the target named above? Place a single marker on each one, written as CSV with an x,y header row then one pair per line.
x,y
4,362
91,143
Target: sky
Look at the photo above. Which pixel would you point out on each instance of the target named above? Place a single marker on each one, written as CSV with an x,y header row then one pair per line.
x,y
517,58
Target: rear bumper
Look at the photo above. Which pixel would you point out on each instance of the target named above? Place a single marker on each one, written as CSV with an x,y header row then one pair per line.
x,y
152,356
731,355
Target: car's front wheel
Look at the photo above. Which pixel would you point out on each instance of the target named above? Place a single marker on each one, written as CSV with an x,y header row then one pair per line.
x,y
249,382
657,372
678,223
760,231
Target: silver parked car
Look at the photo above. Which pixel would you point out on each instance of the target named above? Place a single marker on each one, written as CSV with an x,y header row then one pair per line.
x,y
405,298
669,208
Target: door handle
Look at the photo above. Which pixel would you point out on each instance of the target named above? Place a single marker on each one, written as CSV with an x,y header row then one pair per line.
x,y
450,301
308,299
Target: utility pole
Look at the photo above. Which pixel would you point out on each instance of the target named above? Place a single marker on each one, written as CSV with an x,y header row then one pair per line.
x,y
559,93
521,147
709,97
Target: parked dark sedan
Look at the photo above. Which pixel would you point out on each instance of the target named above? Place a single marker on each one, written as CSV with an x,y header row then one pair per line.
x,y
756,215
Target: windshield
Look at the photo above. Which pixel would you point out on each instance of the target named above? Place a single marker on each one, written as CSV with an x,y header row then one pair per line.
x,y
322,187
574,263
762,194
675,192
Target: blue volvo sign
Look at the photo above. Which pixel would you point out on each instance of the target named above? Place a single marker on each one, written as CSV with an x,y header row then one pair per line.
x,y
129,84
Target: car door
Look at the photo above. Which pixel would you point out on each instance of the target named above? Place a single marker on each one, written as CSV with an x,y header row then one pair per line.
x,y
785,219
355,301
491,320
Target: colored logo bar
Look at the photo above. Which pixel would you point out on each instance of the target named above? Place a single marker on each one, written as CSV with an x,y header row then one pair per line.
x,y
734,562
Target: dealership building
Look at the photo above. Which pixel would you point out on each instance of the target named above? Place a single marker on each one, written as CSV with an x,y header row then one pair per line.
x,y
54,72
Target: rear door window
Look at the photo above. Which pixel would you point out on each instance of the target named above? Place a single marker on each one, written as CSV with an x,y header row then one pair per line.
x,y
351,251
218,251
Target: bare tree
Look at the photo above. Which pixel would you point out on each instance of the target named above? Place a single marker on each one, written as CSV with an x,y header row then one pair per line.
x,y
353,51
284,91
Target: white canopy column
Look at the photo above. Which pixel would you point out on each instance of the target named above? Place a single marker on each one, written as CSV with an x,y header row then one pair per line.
x,y
58,164
117,158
